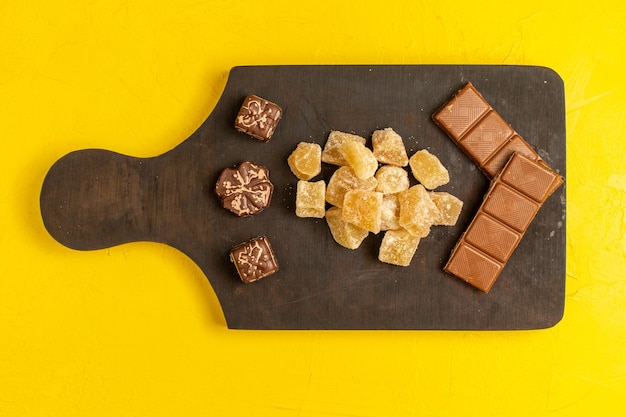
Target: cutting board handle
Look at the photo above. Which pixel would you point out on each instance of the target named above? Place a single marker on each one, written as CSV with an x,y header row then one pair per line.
x,y
93,199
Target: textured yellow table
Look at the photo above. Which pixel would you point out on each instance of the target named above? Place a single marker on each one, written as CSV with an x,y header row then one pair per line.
x,y
136,330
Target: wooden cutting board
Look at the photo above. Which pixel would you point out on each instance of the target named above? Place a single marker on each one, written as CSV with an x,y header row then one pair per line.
x,y
93,199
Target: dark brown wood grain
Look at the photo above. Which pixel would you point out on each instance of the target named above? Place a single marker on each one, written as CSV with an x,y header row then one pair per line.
x,y
94,199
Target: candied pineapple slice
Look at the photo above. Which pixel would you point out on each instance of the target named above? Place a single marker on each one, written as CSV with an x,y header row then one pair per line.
x,y
390,213
306,160
359,158
311,199
346,234
392,179
449,208
363,209
331,154
389,147
398,247
428,170
342,180
417,211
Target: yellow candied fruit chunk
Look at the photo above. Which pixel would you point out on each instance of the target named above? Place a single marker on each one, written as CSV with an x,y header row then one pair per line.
x,y
389,147
398,247
331,154
346,234
306,160
363,209
392,179
390,213
449,208
311,199
417,211
344,179
428,170
360,159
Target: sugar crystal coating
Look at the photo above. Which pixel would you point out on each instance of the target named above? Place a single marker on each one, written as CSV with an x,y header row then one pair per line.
x,y
366,197
331,154
359,158
310,199
449,208
398,247
343,180
392,179
428,170
417,211
390,213
389,147
306,160
346,234
362,208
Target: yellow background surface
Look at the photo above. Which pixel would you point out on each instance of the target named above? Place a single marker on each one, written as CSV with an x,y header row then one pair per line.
x,y
136,330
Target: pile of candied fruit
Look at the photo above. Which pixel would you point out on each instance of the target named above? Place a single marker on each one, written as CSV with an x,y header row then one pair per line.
x,y
370,192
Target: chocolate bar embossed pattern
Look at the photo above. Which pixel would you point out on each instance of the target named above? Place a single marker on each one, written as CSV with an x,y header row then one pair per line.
x,y
510,205
480,131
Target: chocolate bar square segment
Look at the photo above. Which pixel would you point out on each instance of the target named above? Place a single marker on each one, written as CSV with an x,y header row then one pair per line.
x,y
473,266
258,117
486,137
530,178
254,259
463,110
501,157
510,207
492,237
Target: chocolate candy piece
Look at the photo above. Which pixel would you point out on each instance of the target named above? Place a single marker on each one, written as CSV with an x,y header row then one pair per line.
x,y
254,259
513,199
398,247
480,132
258,118
246,189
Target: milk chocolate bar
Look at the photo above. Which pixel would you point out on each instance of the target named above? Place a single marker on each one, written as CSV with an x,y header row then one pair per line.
x,y
246,189
254,259
480,132
512,201
258,117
